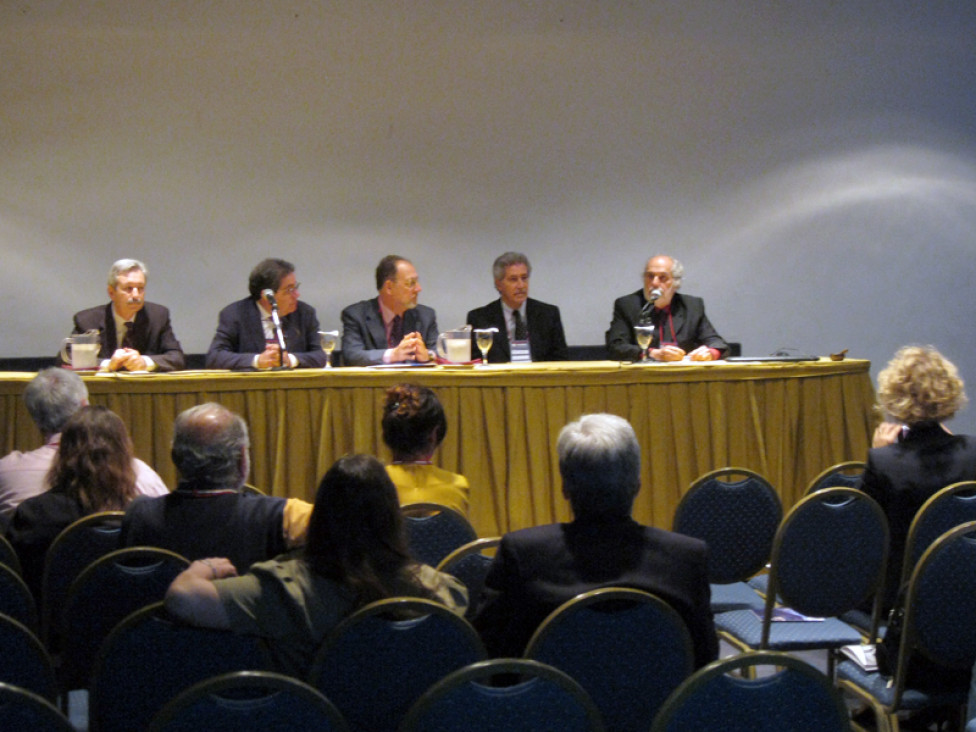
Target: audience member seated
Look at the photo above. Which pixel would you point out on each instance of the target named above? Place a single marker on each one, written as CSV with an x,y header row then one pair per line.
x,y
414,426
51,398
356,554
208,514
538,569
92,471
915,455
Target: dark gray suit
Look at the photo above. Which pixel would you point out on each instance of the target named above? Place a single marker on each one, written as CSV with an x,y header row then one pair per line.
x,y
691,326
364,337
240,336
547,342
538,569
152,334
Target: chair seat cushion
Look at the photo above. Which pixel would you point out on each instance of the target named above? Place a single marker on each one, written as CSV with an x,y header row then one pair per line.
x,y
734,596
746,625
877,685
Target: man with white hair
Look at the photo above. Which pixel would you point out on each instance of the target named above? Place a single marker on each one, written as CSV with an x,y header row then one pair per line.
x,y
52,397
681,328
538,569
135,335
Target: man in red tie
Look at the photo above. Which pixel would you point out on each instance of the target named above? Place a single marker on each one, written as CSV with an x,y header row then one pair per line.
x,y
392,327
135,335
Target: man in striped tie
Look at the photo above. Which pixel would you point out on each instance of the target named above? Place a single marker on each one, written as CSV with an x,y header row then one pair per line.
x,y
528,330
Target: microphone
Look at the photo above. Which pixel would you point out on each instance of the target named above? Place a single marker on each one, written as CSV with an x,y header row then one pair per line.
x,y
268,294
645,312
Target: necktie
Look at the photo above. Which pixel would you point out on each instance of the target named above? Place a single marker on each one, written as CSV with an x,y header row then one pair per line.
x,y
127,336
396,331
521,332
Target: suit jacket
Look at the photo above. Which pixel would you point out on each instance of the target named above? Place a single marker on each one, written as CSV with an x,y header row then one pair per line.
x,y
547,342
691,326
538,569
364,337
902,476
240,337
152,334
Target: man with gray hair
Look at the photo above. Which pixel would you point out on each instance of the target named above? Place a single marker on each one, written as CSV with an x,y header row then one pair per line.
x,y
528,330
682,331
209,515
538,569
52,397
135,335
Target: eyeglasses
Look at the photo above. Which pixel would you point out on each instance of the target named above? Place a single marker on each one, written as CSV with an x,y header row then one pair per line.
x,y
291,289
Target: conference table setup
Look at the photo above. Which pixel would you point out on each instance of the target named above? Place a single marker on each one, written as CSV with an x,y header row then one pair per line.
x,y
785,420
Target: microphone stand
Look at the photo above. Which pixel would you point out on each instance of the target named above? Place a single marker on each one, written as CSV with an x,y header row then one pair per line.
x,y
279,335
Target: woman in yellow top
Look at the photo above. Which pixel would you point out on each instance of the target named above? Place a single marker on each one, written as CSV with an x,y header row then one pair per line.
x,y
414,426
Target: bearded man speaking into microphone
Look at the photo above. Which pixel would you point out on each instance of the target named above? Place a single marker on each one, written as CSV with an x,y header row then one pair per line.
x,y
681,328
250,331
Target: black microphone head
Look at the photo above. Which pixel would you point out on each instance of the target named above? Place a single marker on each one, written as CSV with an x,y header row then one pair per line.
x,y
655,294
268,293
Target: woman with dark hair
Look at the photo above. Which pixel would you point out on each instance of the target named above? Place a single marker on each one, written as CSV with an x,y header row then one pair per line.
x,y
355,553
92,471
414,426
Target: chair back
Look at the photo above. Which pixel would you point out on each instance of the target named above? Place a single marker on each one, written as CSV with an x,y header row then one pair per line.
x,y
725,695
434,531
379,660
8,555
941,601
953,505
149,658
629,649
77,546
829,555
535,697
16,600
249,700
736,512
469,563
842,475
103,595
25,662
21,709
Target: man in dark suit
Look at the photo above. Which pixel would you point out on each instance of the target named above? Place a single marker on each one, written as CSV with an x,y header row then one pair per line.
x,y
538,569
392,327
147,342
246,336
681,328
528,330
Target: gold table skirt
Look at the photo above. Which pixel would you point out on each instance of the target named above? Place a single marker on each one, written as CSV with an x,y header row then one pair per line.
x,y
787,421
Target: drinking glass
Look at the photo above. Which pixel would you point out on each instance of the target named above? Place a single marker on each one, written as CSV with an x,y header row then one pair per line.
x,y
644,335
329,339
484,337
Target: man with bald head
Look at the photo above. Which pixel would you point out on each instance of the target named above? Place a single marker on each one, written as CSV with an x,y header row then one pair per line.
x,y
209,515
682,331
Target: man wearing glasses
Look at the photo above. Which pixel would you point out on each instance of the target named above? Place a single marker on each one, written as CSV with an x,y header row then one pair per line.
x,y
247,337
392,327
682,331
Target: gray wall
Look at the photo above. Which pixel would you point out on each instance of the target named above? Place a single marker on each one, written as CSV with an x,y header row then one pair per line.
x,y
813,164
